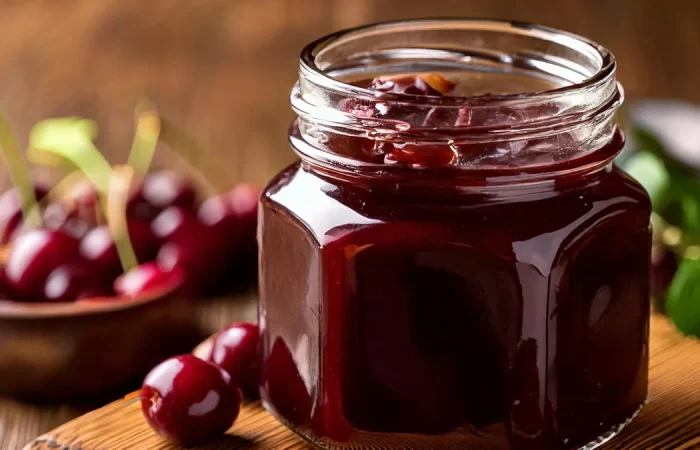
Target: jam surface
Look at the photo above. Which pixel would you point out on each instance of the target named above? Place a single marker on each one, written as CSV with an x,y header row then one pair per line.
x,y
395,313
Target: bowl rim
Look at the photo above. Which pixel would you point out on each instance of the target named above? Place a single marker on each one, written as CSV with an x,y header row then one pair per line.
x,y
10,309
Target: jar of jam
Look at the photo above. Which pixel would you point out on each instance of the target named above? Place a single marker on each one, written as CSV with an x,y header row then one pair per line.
x,y
455,262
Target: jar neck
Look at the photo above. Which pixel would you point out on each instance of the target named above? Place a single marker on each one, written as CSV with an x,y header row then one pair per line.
x,y
558,176
494,137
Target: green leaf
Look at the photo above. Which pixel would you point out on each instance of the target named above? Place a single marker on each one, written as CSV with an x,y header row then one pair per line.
x,y
681,204
683,299
647,141
650,171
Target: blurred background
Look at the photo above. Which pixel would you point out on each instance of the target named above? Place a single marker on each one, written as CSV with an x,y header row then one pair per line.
x,y
223,71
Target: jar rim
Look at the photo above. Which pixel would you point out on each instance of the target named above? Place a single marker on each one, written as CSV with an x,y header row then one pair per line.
x,y
310,69
531,129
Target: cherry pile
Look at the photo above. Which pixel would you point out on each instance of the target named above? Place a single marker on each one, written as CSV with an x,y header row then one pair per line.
x,y
206,246
192,401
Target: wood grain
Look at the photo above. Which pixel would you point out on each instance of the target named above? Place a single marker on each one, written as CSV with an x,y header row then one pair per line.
x,y
21,421
669,421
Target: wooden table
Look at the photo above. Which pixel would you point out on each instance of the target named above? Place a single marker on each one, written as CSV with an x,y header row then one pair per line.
x,y
223,70
669,421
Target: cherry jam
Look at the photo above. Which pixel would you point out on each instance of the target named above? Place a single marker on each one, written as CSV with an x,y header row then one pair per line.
x,y
429,302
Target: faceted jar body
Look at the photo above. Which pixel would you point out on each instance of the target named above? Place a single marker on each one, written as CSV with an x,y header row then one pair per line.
x,y
455,272
452,319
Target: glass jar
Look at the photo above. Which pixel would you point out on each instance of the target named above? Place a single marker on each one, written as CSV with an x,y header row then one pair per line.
x,y
463,271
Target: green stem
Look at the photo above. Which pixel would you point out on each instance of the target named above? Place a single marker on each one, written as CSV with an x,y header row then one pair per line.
x,y
194,155
120,181
145,137
72,139
19,173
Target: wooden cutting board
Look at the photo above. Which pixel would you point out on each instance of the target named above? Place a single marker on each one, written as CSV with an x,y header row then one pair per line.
x,y
671,420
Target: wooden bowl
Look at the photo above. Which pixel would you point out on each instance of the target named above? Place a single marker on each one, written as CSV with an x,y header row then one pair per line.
x,y
89,347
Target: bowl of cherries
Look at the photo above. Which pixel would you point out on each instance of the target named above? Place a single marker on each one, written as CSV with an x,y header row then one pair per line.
x,y
101,272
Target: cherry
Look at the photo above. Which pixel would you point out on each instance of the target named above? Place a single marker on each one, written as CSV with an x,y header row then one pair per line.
x,y
57,216
420,155
174,223
70,282
235,349
202,259
97,247
189,401
83,202
432,84
34,255
244,205
168,188
244,213
11,212
5,289
216,248
202,246
145,278
159,191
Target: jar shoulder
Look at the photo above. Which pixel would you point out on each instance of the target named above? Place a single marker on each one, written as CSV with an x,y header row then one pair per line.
x,y
324,205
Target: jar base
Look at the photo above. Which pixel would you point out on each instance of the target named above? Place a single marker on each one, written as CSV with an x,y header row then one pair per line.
x,y
614,431
447,441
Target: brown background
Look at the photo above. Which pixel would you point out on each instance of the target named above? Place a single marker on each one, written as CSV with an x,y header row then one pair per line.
x,y
223,70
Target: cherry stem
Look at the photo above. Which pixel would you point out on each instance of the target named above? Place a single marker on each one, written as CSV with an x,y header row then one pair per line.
x,y
194,155
19,173
117,197
146,136
61,189
71,138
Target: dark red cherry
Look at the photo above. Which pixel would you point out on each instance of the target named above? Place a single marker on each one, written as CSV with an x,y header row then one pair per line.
x,y
145,278
70,282
57,216
97,247
216,212
168,188
244,212
420,155
201,259
174,223
189,401
432,84
82,201
11,212
161,190
235,349
5,289
244,205
34,255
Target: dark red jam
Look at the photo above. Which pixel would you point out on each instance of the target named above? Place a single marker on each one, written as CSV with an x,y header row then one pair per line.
x,y
428,306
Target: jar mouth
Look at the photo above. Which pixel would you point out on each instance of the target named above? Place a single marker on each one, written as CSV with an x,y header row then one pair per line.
x,y
568,116
594,64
